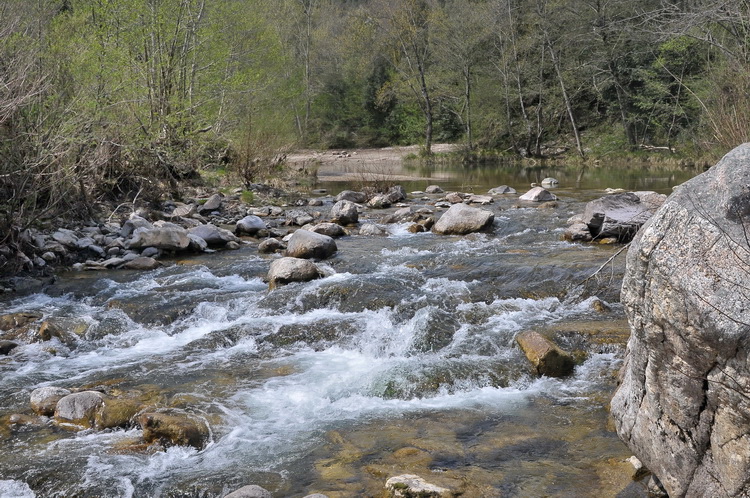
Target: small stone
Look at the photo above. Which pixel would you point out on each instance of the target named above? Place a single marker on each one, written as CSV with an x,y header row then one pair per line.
x,y
212,204
270,245
232,245
502,189
413,486
250,225
538,194
433,189
44,399
173,428
544,355
151,252
371,229
252,491
79,409
142,263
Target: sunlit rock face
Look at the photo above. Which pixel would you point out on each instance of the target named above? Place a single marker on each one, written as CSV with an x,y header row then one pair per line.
x,y
683,405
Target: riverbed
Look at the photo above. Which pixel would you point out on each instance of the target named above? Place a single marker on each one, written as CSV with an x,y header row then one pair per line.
x,y
402,360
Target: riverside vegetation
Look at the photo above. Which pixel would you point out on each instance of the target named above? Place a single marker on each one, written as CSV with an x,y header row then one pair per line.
x,y
106,102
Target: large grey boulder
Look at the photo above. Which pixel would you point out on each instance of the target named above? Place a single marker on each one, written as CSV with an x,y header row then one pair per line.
x,y
344,213
621,215
306,244
683,406
170,237
287,270
250,225
213,235
461,219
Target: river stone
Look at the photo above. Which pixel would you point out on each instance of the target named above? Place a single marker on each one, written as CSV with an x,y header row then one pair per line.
x,y
379,201
213,235
79,408
550,182
306,244
454,198
371,229
433,189
184,210
330,229
132,224
621,215
538,194
142,263
6,347
44,399
250,225
287,270
547,358
169,237
344,213
65,237
502,189
461,219
479,199
270,245
413,486
395,194
252,491
578,232
352,196
17,320
682,406
173,427
213,203
197,244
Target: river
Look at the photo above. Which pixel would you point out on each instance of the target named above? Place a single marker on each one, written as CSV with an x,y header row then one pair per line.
x,y
403,360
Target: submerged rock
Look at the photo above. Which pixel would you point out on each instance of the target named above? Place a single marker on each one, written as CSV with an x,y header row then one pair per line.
x,y
547,358
174,428
6,347
412,486
287,270
682,406
252,491
372,229
461,219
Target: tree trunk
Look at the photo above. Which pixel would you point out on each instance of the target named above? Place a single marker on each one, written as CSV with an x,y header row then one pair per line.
x,y
566,99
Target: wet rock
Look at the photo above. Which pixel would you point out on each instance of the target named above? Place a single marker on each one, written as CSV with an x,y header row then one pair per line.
x,y
415,228
371,229
620,215
329,229
66,330
270,245
287,270
213,235
17,320
6,347
316,495
502,189
315,202
197,244
142,263
544,355
252,491
306,244
578,232
413,486
300,218
151,252
550,182
682,405
433,189
538,194
213,203
79,409
169,237
232,245
352,196
173,427
117,413
250,225
344,213
461,219
44,399
19,422
380,201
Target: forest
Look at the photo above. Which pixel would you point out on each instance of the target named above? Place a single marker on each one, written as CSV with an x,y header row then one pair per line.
x,y
101,98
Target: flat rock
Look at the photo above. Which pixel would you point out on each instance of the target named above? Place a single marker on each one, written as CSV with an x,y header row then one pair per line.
x,y
169,237
502,189
433,189
461,219
371,229
352,196
330,229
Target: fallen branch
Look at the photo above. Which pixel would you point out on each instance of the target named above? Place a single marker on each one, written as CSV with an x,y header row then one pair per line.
x,y
610,260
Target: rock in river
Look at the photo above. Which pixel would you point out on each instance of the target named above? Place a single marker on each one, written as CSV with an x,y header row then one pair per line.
x,y
683,406
174,428
547,358
344,213
621,215
44,399
251,491
412,486
306,244
250,225
461,219
79,409
538,194
287,270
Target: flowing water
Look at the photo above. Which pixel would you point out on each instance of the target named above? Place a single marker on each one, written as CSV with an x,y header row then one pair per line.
x,y
403,360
